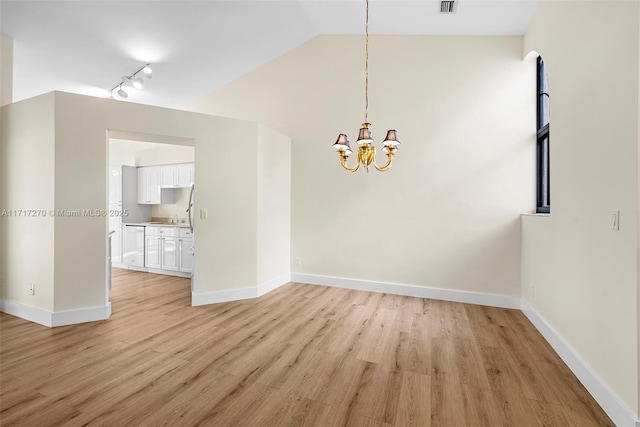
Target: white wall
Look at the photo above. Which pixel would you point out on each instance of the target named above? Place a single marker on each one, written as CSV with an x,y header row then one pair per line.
x,y
226,174
274,204
6,91
447,213
137,153
80,181
638,227
6,70
27,169
577,274
177,208
123,152
163,154
63,163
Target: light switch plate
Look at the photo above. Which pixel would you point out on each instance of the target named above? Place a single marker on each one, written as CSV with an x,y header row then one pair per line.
x,y
203,214
615,219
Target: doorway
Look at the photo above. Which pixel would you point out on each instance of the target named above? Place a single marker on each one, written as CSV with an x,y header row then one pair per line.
x,y
150,188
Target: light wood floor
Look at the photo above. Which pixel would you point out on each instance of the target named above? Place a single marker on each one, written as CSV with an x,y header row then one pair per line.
x,y
301,355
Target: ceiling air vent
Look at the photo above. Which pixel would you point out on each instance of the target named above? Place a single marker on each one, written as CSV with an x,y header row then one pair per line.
x,y
448,6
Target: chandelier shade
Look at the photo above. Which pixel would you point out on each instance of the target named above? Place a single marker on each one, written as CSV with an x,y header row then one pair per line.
x,y
342,144
364,136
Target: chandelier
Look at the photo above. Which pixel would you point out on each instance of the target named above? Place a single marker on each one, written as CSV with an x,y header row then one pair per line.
x,y
366,150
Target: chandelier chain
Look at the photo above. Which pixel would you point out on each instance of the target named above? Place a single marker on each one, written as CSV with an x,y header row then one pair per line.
x,y
366,66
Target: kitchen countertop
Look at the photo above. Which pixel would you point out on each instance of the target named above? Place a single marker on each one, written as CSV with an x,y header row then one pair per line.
x,y
157,224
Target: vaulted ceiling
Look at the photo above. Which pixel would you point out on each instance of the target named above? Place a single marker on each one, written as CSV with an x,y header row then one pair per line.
x,y
197,46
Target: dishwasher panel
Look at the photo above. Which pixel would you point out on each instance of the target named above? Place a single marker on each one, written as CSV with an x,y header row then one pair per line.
x,y
133,245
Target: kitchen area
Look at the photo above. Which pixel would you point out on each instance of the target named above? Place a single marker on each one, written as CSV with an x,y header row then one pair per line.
x,y
151,192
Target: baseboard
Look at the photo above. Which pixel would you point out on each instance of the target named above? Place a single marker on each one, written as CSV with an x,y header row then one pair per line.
x,y
205,298
619,413
53,319
27,312
213,297
273,284
72,317
410,290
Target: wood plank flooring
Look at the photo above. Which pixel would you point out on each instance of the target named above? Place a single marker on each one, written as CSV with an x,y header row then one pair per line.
x,y
302,355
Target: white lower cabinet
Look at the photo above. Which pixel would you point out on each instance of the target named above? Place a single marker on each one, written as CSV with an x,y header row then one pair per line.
x,y
161,248
170,260
151,250
186,250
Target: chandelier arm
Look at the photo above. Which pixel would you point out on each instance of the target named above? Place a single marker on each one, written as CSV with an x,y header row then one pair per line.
x,y
343,162
385,167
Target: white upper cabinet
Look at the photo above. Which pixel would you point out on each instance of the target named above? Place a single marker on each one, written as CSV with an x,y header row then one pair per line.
x,y
168,176
149,188
185,174
177,176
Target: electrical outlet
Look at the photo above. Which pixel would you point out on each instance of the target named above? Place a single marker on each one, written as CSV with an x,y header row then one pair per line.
x,y
298,261
32,289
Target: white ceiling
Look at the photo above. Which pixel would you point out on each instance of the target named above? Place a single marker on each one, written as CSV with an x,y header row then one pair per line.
x,y
197,46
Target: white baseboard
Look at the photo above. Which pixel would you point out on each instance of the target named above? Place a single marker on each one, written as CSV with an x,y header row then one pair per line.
x,y
410,290
53,319
272,284
72,317
27,312
619,413
204,298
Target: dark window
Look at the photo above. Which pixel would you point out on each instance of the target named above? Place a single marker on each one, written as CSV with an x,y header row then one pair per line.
x,y
542,179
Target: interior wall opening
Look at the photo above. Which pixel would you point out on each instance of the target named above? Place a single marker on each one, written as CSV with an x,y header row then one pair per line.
x,y
150,191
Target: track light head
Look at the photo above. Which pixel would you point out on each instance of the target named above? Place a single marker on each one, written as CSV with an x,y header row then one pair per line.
x,y
122,93
137,82
148,72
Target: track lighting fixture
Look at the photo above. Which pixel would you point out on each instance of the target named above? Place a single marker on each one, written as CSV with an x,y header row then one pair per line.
x,y
132,80
121,92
